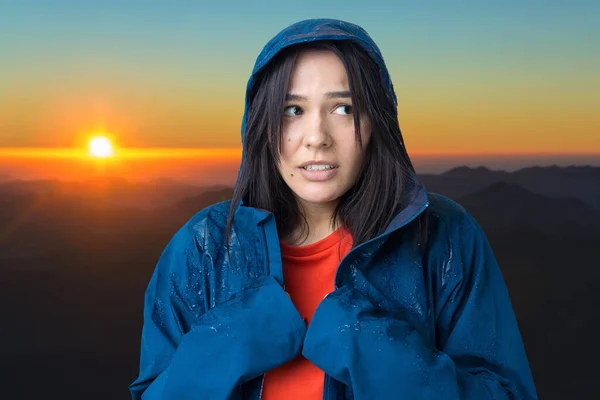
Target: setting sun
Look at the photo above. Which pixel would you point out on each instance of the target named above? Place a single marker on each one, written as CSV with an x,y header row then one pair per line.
x,y
100,147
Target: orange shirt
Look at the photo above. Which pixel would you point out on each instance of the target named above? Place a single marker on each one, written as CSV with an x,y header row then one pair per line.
x,y
309,276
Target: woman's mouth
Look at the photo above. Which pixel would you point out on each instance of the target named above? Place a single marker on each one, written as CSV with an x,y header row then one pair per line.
x,y
319,172
318,167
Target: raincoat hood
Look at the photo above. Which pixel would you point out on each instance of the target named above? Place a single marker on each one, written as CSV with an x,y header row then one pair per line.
x,y
312,30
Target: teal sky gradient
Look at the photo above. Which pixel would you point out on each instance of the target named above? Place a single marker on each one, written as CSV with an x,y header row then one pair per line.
x,y
179,61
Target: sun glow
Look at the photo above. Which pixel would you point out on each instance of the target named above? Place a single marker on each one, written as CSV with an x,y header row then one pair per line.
x,y
100,147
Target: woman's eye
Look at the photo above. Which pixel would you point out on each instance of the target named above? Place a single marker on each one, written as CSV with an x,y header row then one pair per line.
x,y
292,111
346,109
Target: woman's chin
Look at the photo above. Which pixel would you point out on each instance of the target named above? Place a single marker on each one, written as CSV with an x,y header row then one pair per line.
x,y
319,198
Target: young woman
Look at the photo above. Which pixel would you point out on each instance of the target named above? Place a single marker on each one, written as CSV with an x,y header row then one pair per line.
x,y
332,273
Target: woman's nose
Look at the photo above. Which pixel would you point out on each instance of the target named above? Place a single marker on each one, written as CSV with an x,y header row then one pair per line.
x,y
317,133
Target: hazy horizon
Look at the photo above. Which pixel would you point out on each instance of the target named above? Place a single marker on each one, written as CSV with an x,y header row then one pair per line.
x,y
209,171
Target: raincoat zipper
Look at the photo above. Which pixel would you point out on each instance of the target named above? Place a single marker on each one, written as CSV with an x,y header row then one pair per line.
x,y
326,388
263,237
262,383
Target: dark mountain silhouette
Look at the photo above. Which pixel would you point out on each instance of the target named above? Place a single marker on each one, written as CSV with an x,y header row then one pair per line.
x,y
461,181
479,175
111,191
68,222
505,206
191,205
558,182
580,182
75,259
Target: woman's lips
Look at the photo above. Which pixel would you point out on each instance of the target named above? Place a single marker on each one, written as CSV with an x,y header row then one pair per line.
x,y
319,175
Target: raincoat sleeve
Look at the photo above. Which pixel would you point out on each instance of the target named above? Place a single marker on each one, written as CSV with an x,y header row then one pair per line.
x,y
239,339
479,353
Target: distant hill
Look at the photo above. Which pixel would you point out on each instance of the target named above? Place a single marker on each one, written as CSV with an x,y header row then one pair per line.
x,y
192,205
111,191
69,221
503,206
557,182
580,182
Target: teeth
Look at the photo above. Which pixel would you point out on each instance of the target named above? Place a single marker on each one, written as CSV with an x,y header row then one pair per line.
x,y
318,167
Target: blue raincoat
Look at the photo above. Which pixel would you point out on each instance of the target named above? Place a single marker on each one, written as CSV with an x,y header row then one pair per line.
x,y
432,324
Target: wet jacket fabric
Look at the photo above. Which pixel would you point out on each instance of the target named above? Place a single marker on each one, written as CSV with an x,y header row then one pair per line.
x,y
436,323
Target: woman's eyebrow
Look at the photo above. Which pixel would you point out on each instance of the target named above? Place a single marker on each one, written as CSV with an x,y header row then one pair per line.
x,y
338,95
329,95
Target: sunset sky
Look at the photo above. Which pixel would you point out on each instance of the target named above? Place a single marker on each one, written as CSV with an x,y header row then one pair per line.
x,y
512,78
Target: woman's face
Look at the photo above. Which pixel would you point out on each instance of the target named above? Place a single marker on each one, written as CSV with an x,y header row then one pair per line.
x,y
320,157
